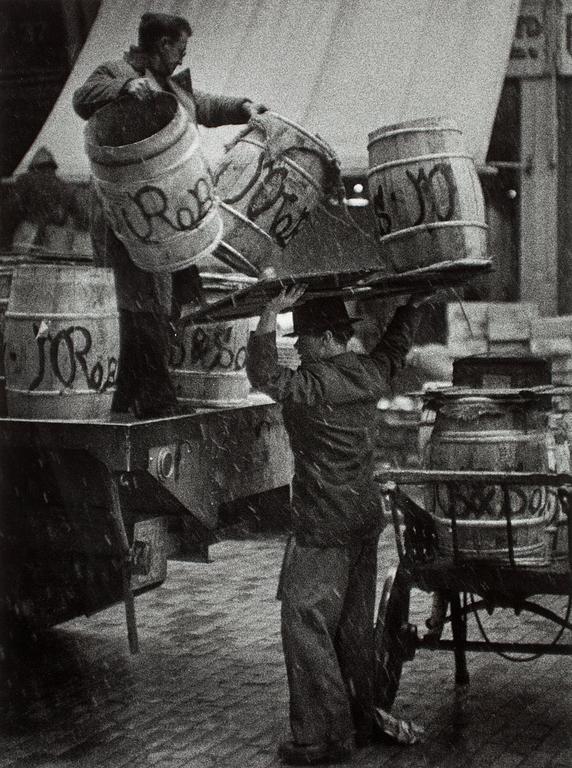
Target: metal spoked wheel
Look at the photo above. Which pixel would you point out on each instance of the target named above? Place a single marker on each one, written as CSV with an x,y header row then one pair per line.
x,y
392,636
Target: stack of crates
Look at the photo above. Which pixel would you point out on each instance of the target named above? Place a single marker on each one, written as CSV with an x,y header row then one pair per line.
x,y
493,328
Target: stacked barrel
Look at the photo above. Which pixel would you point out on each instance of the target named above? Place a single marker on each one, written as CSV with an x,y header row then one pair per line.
x,y
208,360
154,183
427,198
272,177
61,342
496,417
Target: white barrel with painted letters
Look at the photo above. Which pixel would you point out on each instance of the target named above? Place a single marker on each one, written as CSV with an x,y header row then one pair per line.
x,y
208,365
61,342
426,195
271,178
153,182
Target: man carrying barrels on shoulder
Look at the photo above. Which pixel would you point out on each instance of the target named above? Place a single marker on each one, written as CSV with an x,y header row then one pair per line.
x,y
329,575
145,298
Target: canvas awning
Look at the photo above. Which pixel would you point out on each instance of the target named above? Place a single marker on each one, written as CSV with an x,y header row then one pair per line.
x,y
341,68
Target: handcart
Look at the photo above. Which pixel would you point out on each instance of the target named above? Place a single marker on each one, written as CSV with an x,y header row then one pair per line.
x,y
434,557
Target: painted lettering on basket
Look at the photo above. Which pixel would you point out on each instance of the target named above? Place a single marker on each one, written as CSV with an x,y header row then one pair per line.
x,y
493,502
151,207
65,353
210,350
270,184
382,215
273,192
436,194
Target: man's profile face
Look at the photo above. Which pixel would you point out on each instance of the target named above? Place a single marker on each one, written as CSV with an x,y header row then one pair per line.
x,y
171,54
310,347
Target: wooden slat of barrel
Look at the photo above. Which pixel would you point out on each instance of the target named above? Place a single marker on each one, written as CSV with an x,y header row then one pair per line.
x,y
427,198
61,342
154,182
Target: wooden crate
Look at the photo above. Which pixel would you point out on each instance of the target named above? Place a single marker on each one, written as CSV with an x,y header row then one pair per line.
x,y
496,327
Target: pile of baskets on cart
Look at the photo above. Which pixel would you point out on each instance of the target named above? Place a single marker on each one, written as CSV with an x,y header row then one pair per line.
x,y
487,525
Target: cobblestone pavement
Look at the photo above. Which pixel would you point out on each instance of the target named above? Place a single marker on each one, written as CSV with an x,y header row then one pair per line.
x,y
208,689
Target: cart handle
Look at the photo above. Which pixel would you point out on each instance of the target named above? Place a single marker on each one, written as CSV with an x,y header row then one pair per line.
x,y
418,523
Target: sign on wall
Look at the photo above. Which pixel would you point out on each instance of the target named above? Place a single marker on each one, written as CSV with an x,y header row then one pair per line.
x,y
528,53
565,48
529,56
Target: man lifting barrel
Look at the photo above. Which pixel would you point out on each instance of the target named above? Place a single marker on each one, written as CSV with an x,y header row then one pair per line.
x,y
329,578
146,299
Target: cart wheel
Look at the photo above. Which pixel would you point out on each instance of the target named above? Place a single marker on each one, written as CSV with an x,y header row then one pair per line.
x,y
392,637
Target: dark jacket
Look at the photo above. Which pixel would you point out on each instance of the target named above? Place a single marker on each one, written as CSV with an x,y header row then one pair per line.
x,y
330,413
108,81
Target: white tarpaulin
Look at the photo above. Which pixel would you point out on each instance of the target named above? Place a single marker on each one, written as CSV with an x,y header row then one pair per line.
x,y
340,68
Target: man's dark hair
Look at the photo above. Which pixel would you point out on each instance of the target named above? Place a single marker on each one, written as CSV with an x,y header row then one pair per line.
x,y
154,26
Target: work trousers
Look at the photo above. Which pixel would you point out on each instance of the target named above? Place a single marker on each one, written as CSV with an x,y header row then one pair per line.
x,y
327,623
146,302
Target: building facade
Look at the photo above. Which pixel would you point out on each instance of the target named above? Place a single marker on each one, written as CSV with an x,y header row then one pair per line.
x,y
528,177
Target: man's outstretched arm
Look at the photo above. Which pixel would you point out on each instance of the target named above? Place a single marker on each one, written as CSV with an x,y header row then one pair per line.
x,y
262,368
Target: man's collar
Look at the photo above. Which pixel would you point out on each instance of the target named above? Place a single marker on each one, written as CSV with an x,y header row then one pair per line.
x,y
137,59
184,79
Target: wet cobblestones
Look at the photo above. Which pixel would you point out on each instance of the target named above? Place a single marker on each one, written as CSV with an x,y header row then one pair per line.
x,y
208,689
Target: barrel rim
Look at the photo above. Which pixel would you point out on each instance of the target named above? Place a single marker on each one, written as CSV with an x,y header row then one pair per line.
x,y
192,150
411,231
313,137
63,392
496,437
15,315
496,524
208,403
420,159
419,125
134,149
